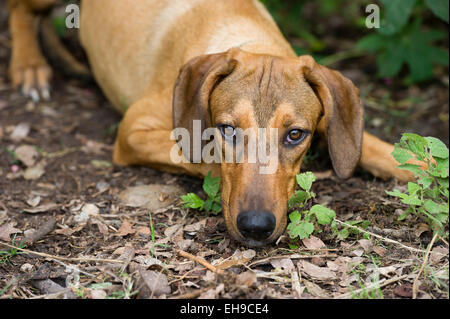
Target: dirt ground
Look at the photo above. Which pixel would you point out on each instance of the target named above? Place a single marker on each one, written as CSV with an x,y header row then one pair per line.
x,y
60,199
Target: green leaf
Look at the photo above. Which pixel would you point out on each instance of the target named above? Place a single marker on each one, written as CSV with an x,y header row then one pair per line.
x,y
371,42
301,229
413,188
305,180
411,167
412,200
191,200
298,198
434,208
397,15
437,147
439,8
323,214
211,185
294,216
415,143
400,154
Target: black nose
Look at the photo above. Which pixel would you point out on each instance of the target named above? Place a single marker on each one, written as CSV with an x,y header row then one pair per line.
x,y
258,225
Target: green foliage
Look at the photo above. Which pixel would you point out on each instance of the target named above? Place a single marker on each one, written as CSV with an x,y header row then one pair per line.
x,y
211,186
6,255
428,196
303,223
398,42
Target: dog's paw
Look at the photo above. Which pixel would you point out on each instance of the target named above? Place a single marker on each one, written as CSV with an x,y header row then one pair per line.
x,y
33,79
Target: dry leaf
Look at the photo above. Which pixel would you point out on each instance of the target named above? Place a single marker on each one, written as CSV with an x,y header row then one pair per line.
x,y
283,263
125,229
380,250
247,278
316,272
42,208
313,243
27,154
438,253
34,172
366,244
6,230
20,132
314,289
156,282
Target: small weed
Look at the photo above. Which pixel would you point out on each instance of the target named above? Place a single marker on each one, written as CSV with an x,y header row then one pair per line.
x,y
6,255
428,197
303,222
212,204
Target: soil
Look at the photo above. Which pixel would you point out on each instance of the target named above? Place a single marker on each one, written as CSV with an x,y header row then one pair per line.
x,y
74,134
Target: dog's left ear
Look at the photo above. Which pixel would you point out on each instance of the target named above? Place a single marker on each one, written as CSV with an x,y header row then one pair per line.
x,y
343,112
193,88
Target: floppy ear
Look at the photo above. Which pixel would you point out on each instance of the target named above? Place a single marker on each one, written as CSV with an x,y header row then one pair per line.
x,y
343,112
192,91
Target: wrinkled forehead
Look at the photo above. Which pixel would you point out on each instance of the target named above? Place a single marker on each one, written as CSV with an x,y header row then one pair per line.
x,y
264,88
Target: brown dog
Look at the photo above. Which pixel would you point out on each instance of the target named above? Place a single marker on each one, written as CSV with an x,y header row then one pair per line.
x,y
165,63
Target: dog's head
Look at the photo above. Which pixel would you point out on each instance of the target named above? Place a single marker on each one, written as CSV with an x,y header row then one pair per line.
x,y
240,93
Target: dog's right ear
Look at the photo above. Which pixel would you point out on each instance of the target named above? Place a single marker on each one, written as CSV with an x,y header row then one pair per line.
x,y
193,88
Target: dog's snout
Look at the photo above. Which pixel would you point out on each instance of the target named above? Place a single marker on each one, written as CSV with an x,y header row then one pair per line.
x,y
257,225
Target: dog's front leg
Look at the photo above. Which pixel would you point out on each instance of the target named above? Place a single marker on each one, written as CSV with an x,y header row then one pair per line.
x,y
144,139
28,67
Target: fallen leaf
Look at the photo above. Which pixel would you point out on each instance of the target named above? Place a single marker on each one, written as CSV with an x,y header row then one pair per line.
x,y
195,227
87,211
385,271
366,244
238,258
421,228
314,289
156,282
34,172
27,154
247,278
125,229
316,272
42,208
283,263
34,201
148,195
404,290
313,243
438,253
144,231
20,132
380,250
6,230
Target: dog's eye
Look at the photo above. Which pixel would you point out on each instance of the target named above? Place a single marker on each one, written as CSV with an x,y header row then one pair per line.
x,y
227,131
294,137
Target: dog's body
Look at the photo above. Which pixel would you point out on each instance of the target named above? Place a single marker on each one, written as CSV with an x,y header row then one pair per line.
x,y
238,70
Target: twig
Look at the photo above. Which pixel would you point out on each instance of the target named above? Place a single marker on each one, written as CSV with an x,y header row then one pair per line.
x,y
293,256
200,260
425,259
443,240
380,237
379,284
81,259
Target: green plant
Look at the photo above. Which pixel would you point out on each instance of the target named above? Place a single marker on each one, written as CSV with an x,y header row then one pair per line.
x,y
397,42
6,255
428,196
304,221
211,186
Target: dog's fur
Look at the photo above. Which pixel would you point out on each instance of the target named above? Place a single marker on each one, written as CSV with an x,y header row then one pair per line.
x,y
164,63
